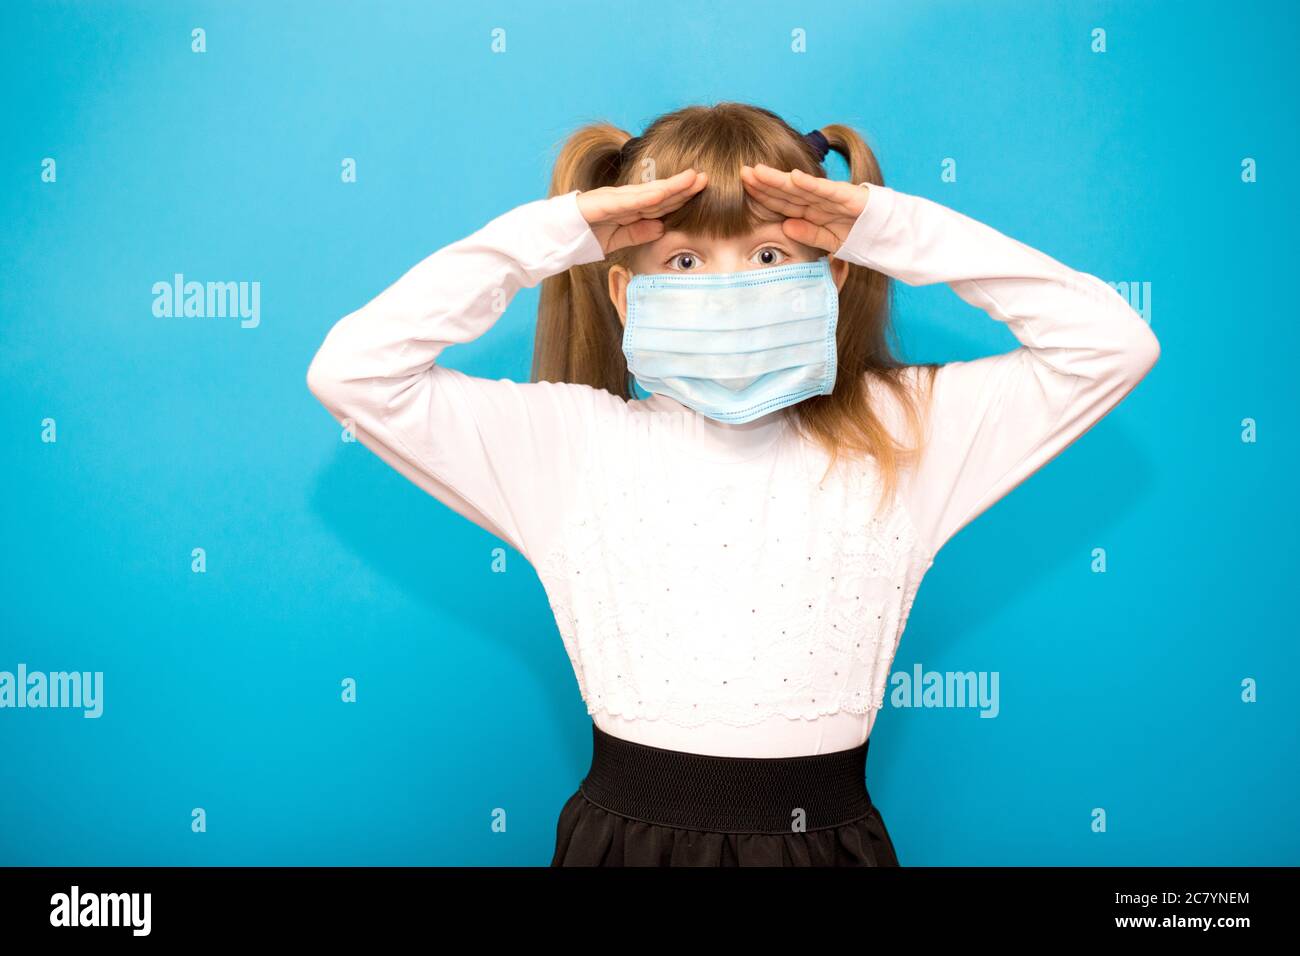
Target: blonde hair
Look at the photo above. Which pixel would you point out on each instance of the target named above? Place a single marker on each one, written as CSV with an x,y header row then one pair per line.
x,y
579,336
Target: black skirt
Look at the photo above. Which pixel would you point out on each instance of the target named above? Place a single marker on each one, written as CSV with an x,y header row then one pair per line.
x,y
648,806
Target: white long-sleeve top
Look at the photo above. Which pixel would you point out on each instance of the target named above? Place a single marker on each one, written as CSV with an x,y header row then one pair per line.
x,y
714,594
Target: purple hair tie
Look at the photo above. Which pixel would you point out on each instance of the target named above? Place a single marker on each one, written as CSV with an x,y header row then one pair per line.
x,y
818,141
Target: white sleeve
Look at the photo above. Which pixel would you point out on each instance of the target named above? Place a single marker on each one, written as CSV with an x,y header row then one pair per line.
x,y
497,452
994,421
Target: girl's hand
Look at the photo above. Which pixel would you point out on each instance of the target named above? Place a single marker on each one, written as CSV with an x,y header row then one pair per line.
x,y
629,215
817,212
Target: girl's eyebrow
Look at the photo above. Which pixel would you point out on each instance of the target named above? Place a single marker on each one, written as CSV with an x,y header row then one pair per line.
x,y
765,233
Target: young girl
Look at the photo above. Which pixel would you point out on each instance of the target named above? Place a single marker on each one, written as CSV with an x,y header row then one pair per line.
x,y
732,559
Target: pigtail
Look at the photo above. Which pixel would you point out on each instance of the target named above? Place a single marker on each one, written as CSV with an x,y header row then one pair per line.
x,y
863,167
578,336
588,159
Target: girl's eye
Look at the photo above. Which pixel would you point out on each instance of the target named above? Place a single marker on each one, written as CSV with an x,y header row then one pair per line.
x,y
689,261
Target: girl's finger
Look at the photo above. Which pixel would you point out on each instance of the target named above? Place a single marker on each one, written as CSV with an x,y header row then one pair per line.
x,y
677,199
811,234
635,234
775,201
774,180
830,192
800,187
777,204
647,202
642,198
777,185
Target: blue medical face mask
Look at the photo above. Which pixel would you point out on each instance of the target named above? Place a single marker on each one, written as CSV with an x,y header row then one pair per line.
x,y
734,345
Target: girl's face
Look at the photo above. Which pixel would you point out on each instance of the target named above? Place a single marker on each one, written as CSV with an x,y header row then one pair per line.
x,y
678,252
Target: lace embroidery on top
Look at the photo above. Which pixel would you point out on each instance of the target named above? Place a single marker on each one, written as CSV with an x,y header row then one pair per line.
x,y
698,595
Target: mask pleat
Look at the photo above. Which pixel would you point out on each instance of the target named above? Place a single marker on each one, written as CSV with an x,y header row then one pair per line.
x,y
732,364
694,342
711,393
737,309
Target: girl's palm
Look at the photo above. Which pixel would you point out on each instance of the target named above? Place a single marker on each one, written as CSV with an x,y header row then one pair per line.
x,y
817,212
629,215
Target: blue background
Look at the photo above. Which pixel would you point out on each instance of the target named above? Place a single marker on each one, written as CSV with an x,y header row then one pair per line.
x,y
1119,690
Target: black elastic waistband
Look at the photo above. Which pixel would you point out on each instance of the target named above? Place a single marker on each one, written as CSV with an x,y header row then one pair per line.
x,y
729,794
